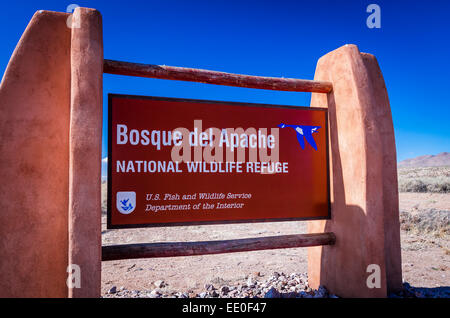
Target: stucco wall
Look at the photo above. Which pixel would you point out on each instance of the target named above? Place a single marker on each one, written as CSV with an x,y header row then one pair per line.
x,y
50,157
34,161
364,195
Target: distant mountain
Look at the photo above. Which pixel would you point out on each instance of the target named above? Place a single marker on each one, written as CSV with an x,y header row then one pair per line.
x,y
442,159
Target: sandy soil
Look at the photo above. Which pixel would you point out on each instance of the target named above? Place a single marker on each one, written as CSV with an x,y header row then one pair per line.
x,y
425,257
410,201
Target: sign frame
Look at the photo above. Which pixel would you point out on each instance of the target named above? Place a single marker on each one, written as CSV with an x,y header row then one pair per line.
x,y
111,226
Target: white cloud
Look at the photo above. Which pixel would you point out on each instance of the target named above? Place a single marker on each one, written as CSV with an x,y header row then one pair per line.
x,y
105,160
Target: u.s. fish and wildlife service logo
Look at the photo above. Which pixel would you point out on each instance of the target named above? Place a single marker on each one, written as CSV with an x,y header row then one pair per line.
x,y
126,201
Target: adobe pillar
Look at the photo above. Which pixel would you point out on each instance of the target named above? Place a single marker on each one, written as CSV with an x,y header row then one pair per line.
x,y
363,171
50,154
34,161
85,150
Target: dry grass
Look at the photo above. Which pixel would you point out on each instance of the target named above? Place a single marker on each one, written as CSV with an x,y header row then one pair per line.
x,y
104,196
427,179
434,222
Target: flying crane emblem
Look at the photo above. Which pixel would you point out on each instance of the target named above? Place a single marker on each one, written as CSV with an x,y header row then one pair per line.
x,y
304,132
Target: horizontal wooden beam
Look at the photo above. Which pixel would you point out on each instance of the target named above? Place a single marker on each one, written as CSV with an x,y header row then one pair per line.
x,y
214,77
152,250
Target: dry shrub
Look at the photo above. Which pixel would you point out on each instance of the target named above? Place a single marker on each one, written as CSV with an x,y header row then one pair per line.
x,y
104,196
428,179
432,221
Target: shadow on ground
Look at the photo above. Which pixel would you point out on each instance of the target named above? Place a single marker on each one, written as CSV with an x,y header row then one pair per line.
x,y
422,292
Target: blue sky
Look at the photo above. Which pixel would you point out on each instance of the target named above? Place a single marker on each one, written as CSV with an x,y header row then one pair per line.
x,y
274,38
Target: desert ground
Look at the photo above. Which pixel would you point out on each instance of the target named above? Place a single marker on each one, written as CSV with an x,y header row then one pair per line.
x,y
425,230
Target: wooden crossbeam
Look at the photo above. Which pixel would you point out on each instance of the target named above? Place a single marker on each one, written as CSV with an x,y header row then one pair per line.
x,y
214,77
152,250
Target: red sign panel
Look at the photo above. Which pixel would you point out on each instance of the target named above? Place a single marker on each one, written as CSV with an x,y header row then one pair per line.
x,y
181,162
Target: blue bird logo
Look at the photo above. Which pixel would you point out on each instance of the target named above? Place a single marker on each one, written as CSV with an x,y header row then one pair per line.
x,y
304,132
125,205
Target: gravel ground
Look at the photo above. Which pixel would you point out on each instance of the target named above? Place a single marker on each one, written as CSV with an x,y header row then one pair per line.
x,y
278,285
